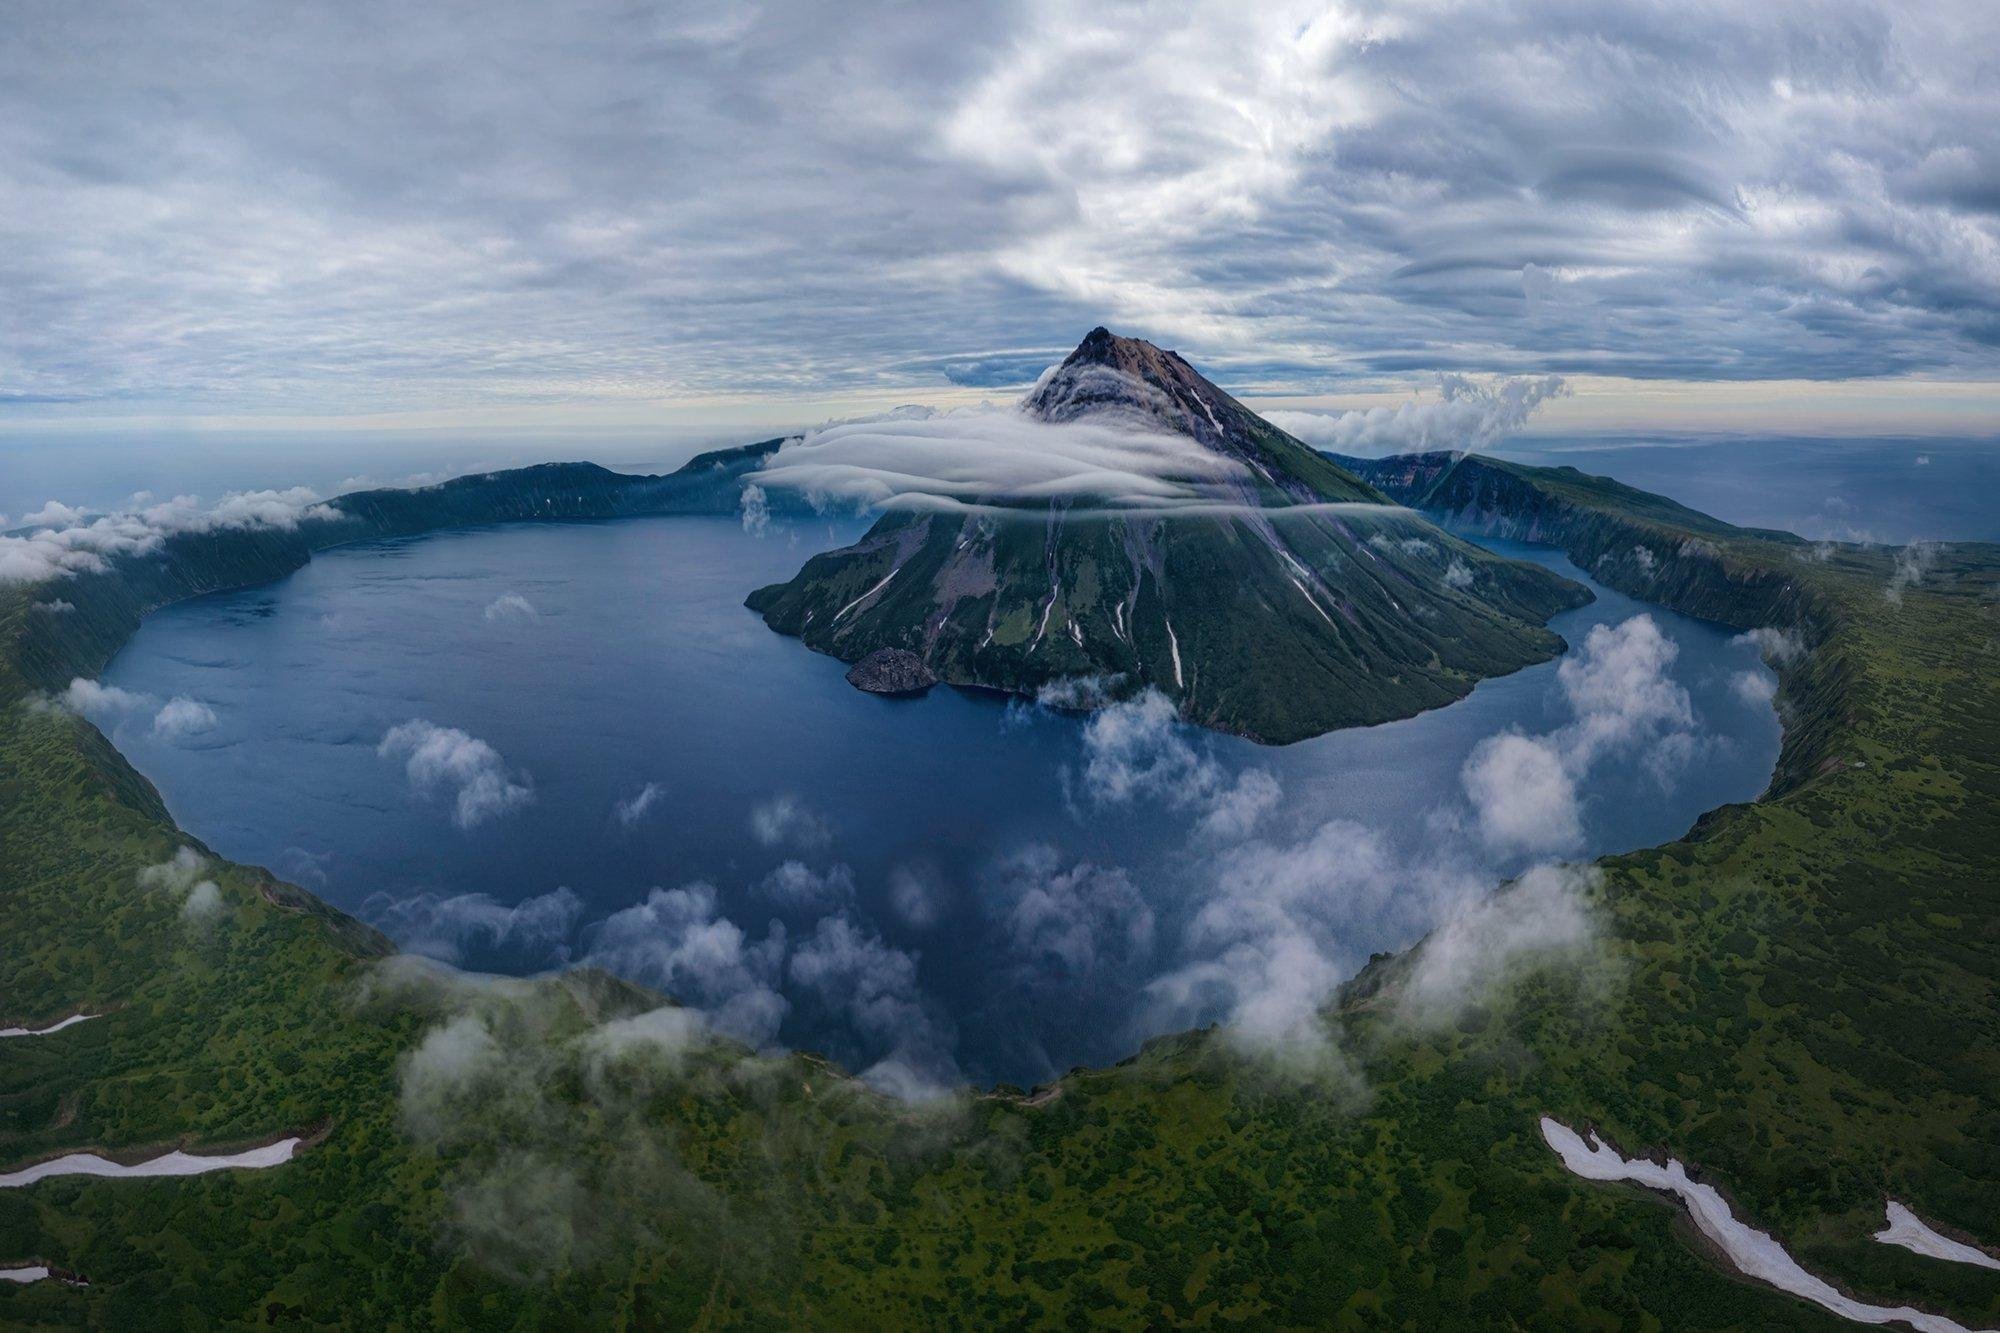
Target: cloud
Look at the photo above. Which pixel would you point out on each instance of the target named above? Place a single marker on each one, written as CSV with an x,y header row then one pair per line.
x,y
181,718
1139,750
535,930
1753,687
97,701
799,887
1458,574
177,874
677,941
56,607
785,820
1523,794
1913,562
1466,415
634,808
182,877
1298,195
510,606
902,1039
1066,923
1269,941
203,905
74,543
436,756
755,507
1779,647
1525,791
917,894
995,455
1620,689
1544,916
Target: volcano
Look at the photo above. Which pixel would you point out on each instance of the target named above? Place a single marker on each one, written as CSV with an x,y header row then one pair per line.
x,y
1292,599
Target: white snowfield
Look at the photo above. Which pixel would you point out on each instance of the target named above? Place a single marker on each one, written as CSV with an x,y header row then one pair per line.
x,y
43,1032
1913,1233
23,1274
1754,1253
167,1164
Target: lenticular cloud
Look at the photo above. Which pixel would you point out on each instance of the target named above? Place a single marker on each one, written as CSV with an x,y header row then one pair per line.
x,y
993,455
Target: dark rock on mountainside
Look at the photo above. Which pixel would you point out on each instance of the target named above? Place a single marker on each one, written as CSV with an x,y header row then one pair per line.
x,y
891,671
1292,598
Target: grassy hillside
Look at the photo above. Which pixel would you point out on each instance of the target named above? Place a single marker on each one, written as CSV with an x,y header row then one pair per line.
x,y
1799,998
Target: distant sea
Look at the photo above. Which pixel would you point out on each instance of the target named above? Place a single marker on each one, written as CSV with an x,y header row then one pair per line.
x,y
1865,489
1877,490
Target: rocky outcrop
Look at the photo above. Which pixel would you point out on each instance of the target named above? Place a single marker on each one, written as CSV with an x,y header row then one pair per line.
x,y
891,671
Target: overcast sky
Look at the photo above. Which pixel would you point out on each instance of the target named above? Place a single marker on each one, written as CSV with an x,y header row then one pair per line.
x,y
457,214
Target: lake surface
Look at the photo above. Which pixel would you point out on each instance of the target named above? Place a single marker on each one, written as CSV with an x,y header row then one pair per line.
x,y
976,888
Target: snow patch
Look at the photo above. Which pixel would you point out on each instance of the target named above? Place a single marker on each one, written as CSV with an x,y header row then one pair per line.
x,y
1913,1233
71,1021
175,1163
1753,1253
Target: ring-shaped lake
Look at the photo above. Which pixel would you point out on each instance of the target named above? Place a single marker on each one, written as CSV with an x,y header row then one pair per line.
x,y
525,745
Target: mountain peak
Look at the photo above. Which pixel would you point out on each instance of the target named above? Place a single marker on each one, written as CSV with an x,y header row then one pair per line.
x,y
1133,381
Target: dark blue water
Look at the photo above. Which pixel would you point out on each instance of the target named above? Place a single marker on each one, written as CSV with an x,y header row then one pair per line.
x,y
966,899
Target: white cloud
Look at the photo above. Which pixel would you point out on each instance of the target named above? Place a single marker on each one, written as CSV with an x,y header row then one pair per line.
x,y
755,507
181,718
1779,647
1523,794
1066,923
510,606
1139,750
676,940
1525,791
54,514
97,701
631,809
177,874
1544,915
182,877
785,820
204,903
917,894
436,756
995,455
1466,415
905,1041
796,885
75,544
1753,687
1913,562
56,607
536,929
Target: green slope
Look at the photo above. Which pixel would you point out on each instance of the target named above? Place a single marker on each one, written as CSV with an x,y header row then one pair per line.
x,y
1798,998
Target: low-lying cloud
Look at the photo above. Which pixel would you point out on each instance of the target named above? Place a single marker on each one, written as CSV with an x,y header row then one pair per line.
x,y
1138,749
68,541
1526,792
183,877
436,758
994,455
1466,415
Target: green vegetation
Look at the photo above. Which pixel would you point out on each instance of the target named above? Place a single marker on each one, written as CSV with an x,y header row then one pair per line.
x,y
1798,998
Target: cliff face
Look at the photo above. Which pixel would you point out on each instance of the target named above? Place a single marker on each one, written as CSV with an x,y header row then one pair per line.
x,y
1659,551
1299,601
